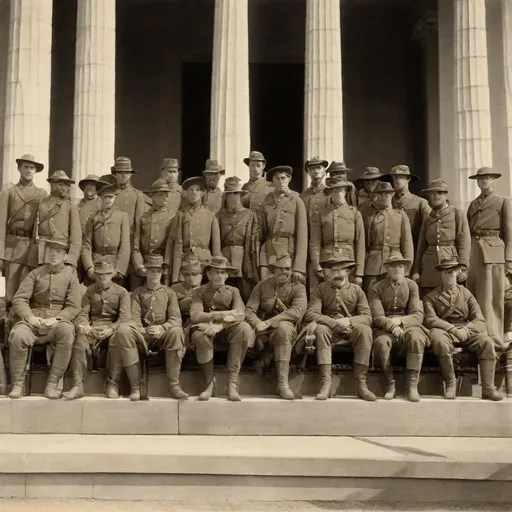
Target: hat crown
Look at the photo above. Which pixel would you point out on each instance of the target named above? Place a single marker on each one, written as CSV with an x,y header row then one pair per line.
x,y
336,181
395,256
449,261
401,169
91,177
256,155
372,170
191,265
153,260
219,262
123,163
109,179
28,157
484,170
159,184
195,180
103,267
316,160
212,166
170,163
338,167
232,184
384,186
59,175
283,261
58,243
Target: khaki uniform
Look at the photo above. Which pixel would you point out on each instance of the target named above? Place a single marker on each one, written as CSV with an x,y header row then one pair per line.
x,y
327,304
282,308
58,219
443,234
417,210
213,199
177,200
490,225
18,208
86,209
184,294
258,190
367,208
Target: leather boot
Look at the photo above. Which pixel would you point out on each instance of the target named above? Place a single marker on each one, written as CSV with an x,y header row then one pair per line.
x,y
283,388
114,375
51,392
411,386
360,372
133,374
390,381
233,394
448,373
18,369
77,391
487,371
209,377
173,367
508,378
325,381
3,377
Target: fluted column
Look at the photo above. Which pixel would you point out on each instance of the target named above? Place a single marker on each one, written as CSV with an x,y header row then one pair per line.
x,y
507,56
323,131
28,85
230,135
473,115
95,88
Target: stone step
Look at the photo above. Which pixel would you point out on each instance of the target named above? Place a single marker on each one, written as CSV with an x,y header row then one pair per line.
x,y
212,469
258,416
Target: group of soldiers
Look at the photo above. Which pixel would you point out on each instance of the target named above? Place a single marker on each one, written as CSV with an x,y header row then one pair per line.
x,y
196,267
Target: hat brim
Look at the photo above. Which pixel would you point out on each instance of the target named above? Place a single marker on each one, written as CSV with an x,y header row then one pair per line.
x,y
82,183
434,189
270,173
389,177
327,190
241,192
495,175
344,264
99,271
114,170
229,270
60,245
220,171
108,190
403,261
446,266
38,165
323,163
247,161
59,180
150,192
193,181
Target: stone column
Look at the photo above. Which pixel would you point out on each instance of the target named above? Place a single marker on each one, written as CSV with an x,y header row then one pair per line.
x,y
507,56
323,109
95,88
473,114
230,134
28,85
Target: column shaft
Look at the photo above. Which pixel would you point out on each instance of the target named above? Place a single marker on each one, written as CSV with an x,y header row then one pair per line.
x,y
507,56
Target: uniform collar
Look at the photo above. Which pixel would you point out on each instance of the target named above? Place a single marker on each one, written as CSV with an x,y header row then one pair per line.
x,y
155,289
319,188
55,270
28,185
125,186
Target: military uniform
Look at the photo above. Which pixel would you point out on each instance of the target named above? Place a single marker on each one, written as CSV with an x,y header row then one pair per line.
x,y
340,169
417,210
177,200
257,191
213,199
87,208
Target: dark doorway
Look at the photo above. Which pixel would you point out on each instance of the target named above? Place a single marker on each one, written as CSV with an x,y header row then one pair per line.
x,y
277,115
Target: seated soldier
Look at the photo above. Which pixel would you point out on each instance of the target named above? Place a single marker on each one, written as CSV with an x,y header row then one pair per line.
x,y
105,306
397,323
156,325
47,301
217,313
340,314
273,310
455,320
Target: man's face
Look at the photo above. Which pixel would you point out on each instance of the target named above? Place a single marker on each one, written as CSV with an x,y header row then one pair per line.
x,y
232,200
192,279
60,189
282,274
437,199
316,172
485,183
27,171
338,195
370,186
256,169
123,177
281,181
104,279
217,276
212,179
57,255
107,201
396,271
89,190
337,275
341,174
449,276
154,275
194,194
383,199
160,199
170,175
400,183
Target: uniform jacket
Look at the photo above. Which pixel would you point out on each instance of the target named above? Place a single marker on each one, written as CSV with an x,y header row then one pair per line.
x,y
284,228
48,293
18,208
491,213
110,307
276,304
184,294
314,200
177,200
155,307
458,307
206,301
326,305
388,300
258,190
367,208
352,195
443,234
213,199
107,237
131,201
337,231
386,230
417,210
86,209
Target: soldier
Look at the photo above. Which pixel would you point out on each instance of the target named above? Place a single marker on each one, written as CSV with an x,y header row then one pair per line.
x,y
90,203
156,326
58,218
107,235
213,194
337,230
18,208
366,185
490,225
284,224
240,236
105,306
455,320
397,313
507,340
338,313
274,309
444,233
170,173
386,230
217,314
47,302
416,208
153,230
257,186
341,170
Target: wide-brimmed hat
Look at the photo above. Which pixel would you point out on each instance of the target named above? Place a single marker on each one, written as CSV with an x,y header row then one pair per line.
x,y
344,262
399,170
369,174
316,160
104,267
256,156
57,243
160,185
485,171
220,263
283,261
396,257
59,176
447,263
280,168
122,164
233,185
170,163
154,261
90,178
196,180
335,182
384,187
437,185
338,167
212,166
191,265
31,160
108,185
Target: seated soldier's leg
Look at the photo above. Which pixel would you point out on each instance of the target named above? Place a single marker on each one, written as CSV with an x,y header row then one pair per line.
x,y
282,338
361,338
115,368
21,339
442,346
62,337
415,342
126,342
382,344
78,366
323,336
204,354
173,344
240,336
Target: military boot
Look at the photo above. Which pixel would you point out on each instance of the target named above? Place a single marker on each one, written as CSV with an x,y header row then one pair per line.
x,y
360,372
283,387
508,378
51,391
411,383
77,391
133,374
18,360
209,377
173,367
448,374
115,368
3,377
390,381
325,381
487,371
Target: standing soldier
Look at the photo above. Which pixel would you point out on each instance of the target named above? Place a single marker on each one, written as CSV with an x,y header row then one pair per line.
x,y
490,225
239,236
386,230
337,230
366,185
58,218
90,203
284,224
18,208
257,186
341,170
170,173
213,194
416,208
444,233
